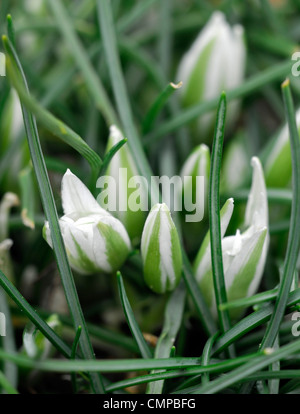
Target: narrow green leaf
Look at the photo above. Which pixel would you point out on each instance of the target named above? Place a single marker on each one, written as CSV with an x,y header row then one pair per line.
x,y
172,322
252,321
248,87
245,370
120,92
214,216
158,105
49,121
45,189
5,384
202,310
293,246
32,315
132,323
108,157
93,82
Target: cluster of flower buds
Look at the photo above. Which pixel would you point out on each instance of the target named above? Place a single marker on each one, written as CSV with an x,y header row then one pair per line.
x,y
215,62
244,254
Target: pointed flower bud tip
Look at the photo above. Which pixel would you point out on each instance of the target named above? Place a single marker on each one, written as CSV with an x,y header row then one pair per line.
x,y
161,252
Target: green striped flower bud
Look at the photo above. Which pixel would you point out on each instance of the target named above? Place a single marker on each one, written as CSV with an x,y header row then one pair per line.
x,y
195,178
161,252
95,241
244,254
125,196
278,163
215,62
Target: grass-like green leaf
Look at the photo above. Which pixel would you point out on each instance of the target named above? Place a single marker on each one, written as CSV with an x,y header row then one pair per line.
x,y
245,370
214,216
252,321
123,365
33,316
202,310
132,323
50,122
47,199
108,157
172,322
158,105
92,81
5,384
251,85
293,246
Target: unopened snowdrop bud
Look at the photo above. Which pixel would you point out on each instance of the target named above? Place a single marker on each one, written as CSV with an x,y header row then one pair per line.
x,y
236,162
161,252
95,240
278,163
36,346
195,178
244,254
215,62
125,195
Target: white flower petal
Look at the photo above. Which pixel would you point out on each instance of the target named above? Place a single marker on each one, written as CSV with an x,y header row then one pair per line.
x,y
257,205
76,197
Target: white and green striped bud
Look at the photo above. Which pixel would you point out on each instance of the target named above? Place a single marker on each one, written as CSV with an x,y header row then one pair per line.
x,y
235,166
125,195
161,251
215,62
35,344
95,241
244,254
195,177
278,164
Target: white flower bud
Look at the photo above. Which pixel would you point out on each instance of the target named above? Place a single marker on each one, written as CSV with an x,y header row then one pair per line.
x,y
215,62
161,252
95,240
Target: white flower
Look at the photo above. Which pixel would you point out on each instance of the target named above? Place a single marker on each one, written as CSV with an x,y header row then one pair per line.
x,y
161,252
215,62
95,240
244,254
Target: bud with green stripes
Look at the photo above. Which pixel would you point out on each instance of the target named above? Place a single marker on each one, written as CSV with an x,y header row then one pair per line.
x,y
196,167
278,162
95,241
122,168
244,254
161,251
215,62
